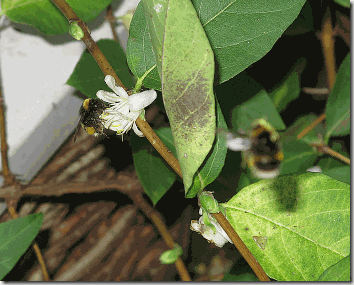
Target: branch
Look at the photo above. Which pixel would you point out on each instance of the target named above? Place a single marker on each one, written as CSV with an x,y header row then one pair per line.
x,y
144,126
8,176
107,69
242,248
326,149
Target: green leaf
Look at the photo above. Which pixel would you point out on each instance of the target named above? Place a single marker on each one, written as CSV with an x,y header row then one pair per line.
x,y
140,54
304,218
259,106
338,104
239,278
165,135
337,272
344,3
339,173
46,17
303,23
170,256
298,157
158,25
242,32
236,46
88,78
214,162
289,90
187,76
15,237
153,172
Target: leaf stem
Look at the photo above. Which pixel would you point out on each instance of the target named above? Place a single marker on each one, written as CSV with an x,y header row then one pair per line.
x,y
242,248
328,150
140,80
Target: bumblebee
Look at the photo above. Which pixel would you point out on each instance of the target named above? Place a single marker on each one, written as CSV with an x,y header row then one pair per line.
x,y
261,150
90,120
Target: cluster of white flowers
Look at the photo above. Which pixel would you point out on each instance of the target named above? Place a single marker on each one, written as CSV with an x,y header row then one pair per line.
x,y
124,109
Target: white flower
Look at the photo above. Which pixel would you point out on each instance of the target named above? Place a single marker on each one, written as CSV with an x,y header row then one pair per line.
x,y
124,109
219,238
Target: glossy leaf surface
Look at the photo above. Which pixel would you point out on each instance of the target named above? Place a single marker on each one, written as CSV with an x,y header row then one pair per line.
x,y
259,106
140,54
307,213
46,17
338,104
337,272
153,172
239,32
289,90
215,160
187,71
15,237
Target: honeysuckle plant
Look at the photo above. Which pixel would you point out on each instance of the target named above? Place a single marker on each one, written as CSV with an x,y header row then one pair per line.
x,y
196,53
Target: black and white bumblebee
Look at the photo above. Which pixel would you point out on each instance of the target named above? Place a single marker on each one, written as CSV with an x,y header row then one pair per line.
x,y
261,149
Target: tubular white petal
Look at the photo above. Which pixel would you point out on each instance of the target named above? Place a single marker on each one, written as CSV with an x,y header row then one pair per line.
x,y
137,131
111,83
108,97
141,100
133,115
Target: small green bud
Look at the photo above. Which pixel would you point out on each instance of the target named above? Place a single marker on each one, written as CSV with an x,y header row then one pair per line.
x,y
208,202
170,256
207,222
75,31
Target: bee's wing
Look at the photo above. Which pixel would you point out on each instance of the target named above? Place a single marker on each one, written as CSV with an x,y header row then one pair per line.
x,y
235,143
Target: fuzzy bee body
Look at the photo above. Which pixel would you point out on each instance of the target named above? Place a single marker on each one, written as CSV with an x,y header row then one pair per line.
x,y
90,116
261,150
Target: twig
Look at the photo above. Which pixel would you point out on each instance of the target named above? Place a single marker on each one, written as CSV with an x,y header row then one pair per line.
x,y
112,21
148,211
159,146
8,176
91,45
107,70
315,91
242,248
35,247
11,180
327,41
311,126
328,150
